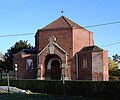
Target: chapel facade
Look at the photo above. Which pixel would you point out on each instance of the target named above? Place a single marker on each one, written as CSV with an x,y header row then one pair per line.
x,y
62,48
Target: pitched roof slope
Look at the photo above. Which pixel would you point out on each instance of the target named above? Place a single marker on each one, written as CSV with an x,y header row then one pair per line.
x,y
62,22
29,51
93,48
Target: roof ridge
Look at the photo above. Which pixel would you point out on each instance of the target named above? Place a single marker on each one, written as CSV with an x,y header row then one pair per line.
x,y
66,21
62,22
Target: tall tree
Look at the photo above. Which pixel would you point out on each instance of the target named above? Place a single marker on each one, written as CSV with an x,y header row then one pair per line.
x,y
116,58
17,47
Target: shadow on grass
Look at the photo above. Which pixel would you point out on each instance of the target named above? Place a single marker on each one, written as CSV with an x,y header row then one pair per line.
x,y
42,97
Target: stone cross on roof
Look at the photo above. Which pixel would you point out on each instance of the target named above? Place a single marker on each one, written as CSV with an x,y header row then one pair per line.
x,y
51,39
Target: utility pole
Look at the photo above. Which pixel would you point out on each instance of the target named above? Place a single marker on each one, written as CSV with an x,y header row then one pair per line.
x,y
8,81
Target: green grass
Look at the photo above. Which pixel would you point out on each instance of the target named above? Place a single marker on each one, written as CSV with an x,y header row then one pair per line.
x,y
42,97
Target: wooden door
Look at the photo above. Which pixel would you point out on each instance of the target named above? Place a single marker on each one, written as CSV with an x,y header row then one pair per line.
x,y
55,70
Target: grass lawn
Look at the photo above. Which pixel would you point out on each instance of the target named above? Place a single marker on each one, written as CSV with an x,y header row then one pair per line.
x,y
42,97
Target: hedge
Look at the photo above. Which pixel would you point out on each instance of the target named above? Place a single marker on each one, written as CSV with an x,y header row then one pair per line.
x,y
81,88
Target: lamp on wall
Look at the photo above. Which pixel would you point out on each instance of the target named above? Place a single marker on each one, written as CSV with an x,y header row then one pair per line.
x,y
16,69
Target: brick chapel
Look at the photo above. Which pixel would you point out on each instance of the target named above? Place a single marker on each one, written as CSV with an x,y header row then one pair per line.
x,y
62,48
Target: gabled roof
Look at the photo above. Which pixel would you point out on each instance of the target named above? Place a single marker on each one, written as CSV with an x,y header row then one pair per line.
x,y
56,45
29,51
62,22
60,47
93,48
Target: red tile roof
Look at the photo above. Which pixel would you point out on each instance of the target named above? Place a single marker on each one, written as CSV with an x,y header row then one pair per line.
x,y
62,22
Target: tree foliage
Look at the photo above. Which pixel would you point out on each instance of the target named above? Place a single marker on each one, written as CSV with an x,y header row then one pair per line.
x,y
17,47
115,72
113,65
116,58
4,65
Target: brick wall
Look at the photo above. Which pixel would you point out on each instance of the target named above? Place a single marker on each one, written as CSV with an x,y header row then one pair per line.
x,y
100,65
85,73
81,38
43,55
63,39
70,39
105,66
97,65
20,60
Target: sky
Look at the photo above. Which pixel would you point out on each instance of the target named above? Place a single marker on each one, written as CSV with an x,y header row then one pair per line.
x,y
27,16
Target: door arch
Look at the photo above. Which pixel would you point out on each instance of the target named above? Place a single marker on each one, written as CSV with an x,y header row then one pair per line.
x,y
53,67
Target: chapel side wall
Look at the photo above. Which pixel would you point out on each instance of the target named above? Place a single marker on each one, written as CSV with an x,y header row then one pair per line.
x,y
37,41
71,65
97,66
85,73
81,38
105,66
17,59
20,60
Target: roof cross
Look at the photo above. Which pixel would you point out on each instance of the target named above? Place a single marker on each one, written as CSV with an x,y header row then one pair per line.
x,y
51,39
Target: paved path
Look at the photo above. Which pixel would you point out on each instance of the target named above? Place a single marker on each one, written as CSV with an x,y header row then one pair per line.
x,y
4,89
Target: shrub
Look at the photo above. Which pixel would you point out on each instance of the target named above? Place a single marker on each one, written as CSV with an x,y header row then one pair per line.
x,y
113,78
81,88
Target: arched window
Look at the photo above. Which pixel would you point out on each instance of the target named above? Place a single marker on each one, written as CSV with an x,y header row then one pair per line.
x,y
84,62
29,64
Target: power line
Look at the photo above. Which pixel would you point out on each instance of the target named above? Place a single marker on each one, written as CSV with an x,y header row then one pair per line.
x,y
111,44
16,35
96,25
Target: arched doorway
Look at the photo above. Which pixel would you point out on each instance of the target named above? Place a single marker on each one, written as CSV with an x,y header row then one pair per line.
x,y
53,67
55,70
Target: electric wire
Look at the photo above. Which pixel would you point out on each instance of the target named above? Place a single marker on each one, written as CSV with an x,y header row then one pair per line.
x,y
16,35
96,25
104,24
111,44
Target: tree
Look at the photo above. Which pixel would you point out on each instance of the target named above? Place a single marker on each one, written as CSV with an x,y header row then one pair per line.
x,y
116,58
4,66
17,47
112,64
2,63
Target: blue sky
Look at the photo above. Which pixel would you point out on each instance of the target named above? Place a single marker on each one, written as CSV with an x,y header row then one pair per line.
x,y
26,16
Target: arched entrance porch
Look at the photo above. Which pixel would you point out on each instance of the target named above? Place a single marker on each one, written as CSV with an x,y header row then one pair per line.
x,y
53,67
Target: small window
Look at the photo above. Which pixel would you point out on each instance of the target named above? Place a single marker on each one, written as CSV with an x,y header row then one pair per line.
x,y
29,64
84,62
